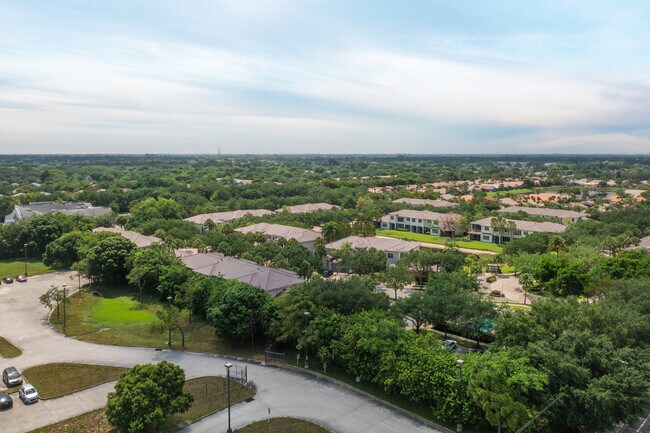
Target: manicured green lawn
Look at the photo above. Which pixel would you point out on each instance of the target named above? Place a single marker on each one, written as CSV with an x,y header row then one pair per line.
x,y
512,192
11,268
122,310
8,350
56,380
282,425
116,319
205,403
419,237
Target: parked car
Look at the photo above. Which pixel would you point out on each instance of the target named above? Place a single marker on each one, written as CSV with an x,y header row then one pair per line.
x,y
21,278
28,394
449,344
6,402
12,377
496,293
7,280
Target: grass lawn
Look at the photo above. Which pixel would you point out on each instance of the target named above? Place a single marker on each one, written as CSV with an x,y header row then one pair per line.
x,y
116,318
56,380
512,192
8,350
282,425
204,404
419,237
11,268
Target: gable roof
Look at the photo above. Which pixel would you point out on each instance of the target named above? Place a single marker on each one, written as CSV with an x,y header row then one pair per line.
x,y
425,202
281,231
140,240
224,217
67,208
540,211
379,243
308,207
273,280
528,226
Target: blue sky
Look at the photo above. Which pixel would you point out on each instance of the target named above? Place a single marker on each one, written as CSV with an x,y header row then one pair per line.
x,y
303,76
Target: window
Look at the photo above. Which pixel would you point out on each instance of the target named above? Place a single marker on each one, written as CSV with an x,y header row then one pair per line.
x,y
390,255
435,222
419,221
486,238
516,233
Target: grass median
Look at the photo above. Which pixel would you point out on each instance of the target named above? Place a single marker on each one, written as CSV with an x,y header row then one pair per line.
x,y
282,425
116,318
56,380
210,395
459,242
8,350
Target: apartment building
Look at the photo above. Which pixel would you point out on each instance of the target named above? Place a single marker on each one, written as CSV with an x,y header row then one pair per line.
x,y
561,214
483,230
394,248
423,221
273,232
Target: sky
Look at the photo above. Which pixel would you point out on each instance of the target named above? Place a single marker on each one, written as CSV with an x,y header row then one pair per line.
x,y
309,76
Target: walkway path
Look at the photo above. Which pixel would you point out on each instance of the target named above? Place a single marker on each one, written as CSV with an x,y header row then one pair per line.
x,y
24,322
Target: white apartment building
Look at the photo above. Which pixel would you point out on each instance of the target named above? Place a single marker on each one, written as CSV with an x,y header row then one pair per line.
x,y
482,230
423,221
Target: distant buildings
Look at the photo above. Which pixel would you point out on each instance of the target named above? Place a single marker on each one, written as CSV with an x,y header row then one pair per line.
x,y
307,208
273,280
425,202
43,207
482,230
561,214
394,248
140,240
273,232
423,221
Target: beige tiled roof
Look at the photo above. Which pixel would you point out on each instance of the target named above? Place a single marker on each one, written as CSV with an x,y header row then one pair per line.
x,y
421,214
273,280
281,231
528,226
425,202
308,207
383,244
540,211
224,217
140,240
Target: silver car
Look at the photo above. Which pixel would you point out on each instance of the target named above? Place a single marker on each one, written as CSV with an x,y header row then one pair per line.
x,y
12,377
28,394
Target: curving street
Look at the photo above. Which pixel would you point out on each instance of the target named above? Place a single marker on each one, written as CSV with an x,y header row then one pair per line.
x,y
23,321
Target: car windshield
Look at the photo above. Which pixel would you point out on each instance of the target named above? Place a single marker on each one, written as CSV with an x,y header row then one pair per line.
x,y
30,391
14,375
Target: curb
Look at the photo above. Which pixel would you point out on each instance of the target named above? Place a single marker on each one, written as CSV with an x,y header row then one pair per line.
x,y
378,400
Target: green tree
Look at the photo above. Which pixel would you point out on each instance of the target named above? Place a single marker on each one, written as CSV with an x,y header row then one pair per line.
x,y
241,311
505,387
108,260
396,277
416,309
147,265
145,395
169,320
361,261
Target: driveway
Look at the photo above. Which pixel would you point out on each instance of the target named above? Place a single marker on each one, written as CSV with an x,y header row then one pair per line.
x,y
509,286
286,393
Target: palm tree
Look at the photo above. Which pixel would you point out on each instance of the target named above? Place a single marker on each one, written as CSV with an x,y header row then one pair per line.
x,y
557,244
330,231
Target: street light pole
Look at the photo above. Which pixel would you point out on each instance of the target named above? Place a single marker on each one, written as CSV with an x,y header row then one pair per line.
x,y
65,321
306,355
228,365
459,425
169,329
25,248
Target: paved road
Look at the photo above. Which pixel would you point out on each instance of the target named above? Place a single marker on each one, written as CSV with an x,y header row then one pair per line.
x,y
24,322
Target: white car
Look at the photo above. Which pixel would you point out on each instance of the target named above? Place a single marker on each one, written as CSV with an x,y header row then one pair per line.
x,y
449,344
28,394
